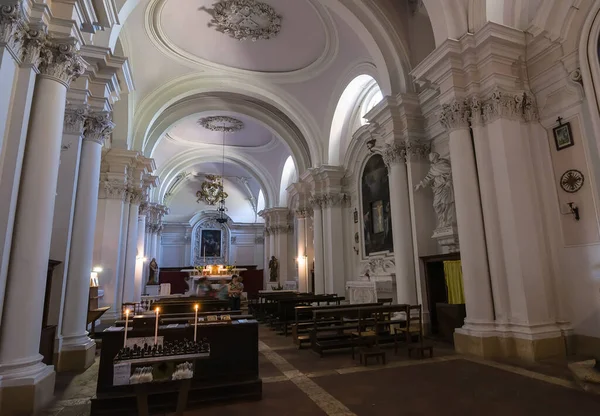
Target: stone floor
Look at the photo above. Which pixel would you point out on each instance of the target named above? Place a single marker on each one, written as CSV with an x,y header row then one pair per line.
x,y
300,383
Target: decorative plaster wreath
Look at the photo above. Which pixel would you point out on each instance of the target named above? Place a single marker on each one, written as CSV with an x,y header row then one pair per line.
x,y
246,19
221,123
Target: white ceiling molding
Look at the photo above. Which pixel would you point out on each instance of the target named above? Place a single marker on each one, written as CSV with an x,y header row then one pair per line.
x,y
159,38
176,90
187,159
268,115
271,145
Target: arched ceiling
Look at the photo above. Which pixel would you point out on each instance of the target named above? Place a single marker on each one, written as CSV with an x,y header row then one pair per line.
x,y
283,86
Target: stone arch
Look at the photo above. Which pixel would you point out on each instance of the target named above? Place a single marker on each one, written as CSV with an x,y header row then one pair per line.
x,y
449,18
277,110
183,161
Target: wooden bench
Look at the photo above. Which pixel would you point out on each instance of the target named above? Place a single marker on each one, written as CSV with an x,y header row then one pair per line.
x,y
303,320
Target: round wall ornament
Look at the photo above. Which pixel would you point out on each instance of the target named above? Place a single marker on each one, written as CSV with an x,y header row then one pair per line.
x,y
571,181
221,123
246,19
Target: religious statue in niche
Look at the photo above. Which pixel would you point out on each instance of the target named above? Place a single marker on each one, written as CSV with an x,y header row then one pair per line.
x,y
153,274
439,179
273,269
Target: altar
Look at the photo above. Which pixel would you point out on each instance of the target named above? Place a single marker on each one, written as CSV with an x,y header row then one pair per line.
x,y
213,273
375,282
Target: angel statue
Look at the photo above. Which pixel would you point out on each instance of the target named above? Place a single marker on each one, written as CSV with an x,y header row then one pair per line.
x,y
439,179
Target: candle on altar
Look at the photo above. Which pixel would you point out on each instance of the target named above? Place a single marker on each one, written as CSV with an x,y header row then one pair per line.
x,y
126,325
195,322
204,254
156,328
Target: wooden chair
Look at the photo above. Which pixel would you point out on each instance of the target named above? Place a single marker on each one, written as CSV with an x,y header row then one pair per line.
x,y
414,326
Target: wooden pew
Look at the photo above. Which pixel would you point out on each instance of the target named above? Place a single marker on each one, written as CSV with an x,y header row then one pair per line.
x,y
303,320
286,309
348,320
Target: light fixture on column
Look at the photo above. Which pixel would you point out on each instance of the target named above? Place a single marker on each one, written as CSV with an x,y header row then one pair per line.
x,y
94,276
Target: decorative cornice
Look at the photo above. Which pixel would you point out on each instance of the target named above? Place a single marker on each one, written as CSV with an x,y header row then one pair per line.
x,y
245,19
75,118
394,153
98,125
59,60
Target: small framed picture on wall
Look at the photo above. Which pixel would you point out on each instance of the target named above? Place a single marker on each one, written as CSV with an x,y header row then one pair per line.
x,y
563,137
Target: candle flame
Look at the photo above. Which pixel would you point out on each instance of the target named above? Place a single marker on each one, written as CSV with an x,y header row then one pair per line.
x,y
196,307
126,312
157,309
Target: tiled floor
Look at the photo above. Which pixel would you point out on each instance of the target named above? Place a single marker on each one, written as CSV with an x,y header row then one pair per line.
x,y
301,383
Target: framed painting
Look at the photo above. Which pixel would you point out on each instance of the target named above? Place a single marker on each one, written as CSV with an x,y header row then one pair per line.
x,y
563,137
211,243
377,215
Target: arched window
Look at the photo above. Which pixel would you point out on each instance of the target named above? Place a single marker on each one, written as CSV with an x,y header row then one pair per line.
x,y
288,176
374,97
350,105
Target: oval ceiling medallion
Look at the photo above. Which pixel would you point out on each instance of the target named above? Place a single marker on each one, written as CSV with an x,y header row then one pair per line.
x,y
221,123
245,19
209,35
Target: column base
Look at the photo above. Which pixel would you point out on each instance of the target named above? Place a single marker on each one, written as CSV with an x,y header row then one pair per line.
x,y
528,347
28,392
76,357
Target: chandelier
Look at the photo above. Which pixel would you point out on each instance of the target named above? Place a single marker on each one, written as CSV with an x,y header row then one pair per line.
x,y
212,191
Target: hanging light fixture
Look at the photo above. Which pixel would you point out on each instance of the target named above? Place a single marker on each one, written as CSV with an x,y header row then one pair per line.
x,y
222,218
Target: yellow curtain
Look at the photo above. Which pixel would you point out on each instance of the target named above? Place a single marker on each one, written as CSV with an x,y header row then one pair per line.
x,y
454,282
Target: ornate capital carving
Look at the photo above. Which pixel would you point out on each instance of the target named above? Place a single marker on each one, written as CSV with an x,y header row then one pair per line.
x,y
135,196
302,213
259,240
59,60
416,150
97,126
316,201
513,106
115,190
334,199
280,229
144,209
455,116
394,153
75,117
13,28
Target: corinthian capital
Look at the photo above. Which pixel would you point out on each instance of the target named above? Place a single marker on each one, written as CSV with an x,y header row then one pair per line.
x,y
416,149
334,199
455,116
518,106
98,125
115,190
316,201
394,153
13,28
60,60
75,117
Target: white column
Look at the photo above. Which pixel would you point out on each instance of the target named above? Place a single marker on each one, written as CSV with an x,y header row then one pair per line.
x,y
301,250
406,290
318,245
131,250
64,210
21,95
333,248
20,360
310,250
489,206
107,252
476,278
140,264
281,248
78,349
123,249
155,243
267,256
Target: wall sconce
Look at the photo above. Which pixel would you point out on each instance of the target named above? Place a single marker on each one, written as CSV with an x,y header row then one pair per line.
x,y
574,210
355,250
94,276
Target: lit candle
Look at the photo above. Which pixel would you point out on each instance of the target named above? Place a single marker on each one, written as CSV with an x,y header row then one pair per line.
x,y
156,328
204,254
195,322
126,325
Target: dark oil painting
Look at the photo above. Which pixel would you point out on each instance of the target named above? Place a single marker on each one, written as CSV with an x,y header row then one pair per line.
x,y
377,220
211,243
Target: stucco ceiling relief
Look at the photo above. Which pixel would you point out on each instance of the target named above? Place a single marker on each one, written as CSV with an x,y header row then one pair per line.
x,y
221,123
245,19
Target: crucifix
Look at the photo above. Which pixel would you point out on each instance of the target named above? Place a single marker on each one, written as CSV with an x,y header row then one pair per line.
x,y
560,123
